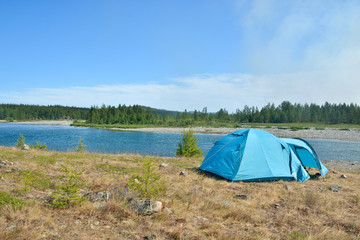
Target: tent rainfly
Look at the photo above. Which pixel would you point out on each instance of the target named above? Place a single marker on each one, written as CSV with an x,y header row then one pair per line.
x,y
256,155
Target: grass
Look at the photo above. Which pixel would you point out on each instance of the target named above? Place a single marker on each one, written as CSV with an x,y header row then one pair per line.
x,y
199,205
7,200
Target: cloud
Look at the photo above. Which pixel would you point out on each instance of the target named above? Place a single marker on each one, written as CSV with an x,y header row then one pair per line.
x,y
315,45
230,91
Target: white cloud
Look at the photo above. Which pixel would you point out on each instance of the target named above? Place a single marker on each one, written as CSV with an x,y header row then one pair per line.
x,y
230,91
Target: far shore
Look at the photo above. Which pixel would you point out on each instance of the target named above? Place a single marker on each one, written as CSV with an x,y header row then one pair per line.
x,y
328,133
43,122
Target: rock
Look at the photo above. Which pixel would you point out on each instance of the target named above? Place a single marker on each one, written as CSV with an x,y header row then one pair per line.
x,y
150,236
2,178
145,206
107,196
343,176
136,180
164,165
334,172
183,173
226,203
25,147
10,227
13,169
2,164
168,210
100,195
91,196
157,206
201,220
335,188
243,196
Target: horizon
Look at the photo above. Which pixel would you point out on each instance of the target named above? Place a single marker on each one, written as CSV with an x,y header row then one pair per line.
x,y
181,54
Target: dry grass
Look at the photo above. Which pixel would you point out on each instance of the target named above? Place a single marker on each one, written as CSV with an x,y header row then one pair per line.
x,y
199,206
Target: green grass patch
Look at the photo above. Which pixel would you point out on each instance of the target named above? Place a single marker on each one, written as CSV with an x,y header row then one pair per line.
x,y
6,199
111,168
44,160
34,179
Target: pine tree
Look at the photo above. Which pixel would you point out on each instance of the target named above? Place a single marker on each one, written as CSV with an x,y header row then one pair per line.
x,y
188,146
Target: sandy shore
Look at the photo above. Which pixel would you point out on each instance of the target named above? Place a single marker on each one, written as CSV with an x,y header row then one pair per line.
x,y
329,133
44,122
340,165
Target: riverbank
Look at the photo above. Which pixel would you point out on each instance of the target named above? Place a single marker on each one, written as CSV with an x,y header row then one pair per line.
x,y
327,133
43,122
196,205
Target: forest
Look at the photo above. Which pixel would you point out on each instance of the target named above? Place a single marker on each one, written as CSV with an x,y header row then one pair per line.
x,y
285,112
22,112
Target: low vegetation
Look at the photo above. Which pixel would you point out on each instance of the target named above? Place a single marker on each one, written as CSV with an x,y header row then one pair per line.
x,y
81,147
188,146
197,206
147,184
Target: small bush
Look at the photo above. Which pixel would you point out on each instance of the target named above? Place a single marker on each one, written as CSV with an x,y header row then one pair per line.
x,y
81,147
40,147
188,146
149,183
21,141
66,193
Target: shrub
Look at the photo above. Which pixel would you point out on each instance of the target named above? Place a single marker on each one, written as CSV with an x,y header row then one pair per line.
x,y
40,147
21,141
66,193
81,147
149,183
188,146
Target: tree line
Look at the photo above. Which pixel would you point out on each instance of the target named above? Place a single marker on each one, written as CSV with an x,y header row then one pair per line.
x,y
285,112
12,112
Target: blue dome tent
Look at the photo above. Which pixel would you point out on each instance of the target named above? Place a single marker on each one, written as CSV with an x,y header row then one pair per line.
x,y
306,154
254,155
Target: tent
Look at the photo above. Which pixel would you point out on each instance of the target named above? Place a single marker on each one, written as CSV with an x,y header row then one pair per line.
x,y
306,154
254,155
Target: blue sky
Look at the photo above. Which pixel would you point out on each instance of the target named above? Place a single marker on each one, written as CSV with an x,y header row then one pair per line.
x,y
181,54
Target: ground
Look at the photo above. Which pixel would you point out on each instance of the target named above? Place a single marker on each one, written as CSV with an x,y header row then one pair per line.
x,y
196,206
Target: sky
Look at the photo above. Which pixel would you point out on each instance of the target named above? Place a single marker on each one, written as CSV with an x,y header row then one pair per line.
x,y
179,54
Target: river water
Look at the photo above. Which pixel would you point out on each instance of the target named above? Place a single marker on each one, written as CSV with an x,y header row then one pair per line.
x,y
64,138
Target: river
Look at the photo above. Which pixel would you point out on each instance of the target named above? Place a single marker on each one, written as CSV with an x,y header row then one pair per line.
x,y
65,138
